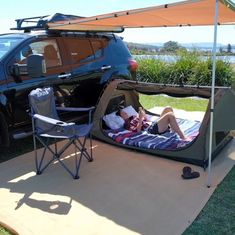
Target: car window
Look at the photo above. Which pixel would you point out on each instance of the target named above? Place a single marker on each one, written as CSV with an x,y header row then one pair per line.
x,y
80,50
21,57
51,53
98,45
7,43
48,48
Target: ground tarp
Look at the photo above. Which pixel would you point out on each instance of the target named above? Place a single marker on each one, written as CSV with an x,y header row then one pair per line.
x,y
121,192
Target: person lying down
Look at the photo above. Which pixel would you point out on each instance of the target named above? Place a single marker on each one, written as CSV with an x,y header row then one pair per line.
x,y
139,122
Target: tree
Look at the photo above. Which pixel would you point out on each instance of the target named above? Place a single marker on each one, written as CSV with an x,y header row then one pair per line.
x,y
171,46
229,48
221,49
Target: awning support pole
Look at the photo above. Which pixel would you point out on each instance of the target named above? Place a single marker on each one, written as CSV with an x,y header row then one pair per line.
x,y
212,91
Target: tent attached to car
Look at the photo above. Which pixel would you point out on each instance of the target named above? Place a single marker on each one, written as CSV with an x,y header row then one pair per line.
x,y
120,93
185,13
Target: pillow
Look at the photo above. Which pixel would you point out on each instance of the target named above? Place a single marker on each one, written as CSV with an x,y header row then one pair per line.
x,y
130,111
113,121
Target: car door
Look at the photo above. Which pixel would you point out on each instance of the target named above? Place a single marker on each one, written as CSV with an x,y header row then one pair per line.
x,y
87,66
57,68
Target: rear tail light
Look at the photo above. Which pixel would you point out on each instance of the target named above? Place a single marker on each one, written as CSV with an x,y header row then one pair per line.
x,y
133,65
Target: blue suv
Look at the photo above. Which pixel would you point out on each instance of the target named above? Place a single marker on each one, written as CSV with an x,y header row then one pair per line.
x,y
78,66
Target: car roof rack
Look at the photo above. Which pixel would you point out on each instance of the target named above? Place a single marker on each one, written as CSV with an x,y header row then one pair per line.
x,y
36,23
43,23
40,22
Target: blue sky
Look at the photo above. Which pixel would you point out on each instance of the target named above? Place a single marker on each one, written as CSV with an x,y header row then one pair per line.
x,y
11,10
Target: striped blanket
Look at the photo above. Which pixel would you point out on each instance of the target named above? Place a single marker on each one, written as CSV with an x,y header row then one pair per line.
x,y
167,141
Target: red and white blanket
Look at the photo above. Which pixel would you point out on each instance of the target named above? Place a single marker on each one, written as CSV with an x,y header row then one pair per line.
x,y
167,141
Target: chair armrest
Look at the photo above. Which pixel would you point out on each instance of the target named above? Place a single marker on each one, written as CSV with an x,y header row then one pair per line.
x,y
75,109
80,109
52,120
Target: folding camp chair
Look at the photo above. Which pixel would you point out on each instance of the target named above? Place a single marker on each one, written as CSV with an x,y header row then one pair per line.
x,y
46,125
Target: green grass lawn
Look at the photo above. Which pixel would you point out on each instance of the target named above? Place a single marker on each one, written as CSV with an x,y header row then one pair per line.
x,y
218,215
187,104
4,231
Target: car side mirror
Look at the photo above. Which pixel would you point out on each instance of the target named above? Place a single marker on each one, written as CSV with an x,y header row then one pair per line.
x,y
18,70
36,66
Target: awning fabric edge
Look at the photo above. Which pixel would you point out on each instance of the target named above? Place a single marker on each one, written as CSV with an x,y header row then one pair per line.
x,y
185,13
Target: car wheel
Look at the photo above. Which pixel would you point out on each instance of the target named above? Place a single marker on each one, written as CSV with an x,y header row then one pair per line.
x,y
4,135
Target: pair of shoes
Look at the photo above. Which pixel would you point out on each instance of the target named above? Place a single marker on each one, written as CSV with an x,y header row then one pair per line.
x,y
189,174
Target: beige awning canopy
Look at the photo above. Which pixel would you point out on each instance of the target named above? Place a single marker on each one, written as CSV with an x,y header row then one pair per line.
x,y
186,13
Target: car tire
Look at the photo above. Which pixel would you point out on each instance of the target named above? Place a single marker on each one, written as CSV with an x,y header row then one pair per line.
x,y
4,135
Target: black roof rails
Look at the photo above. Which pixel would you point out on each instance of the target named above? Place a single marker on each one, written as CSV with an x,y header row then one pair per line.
x,y
38,22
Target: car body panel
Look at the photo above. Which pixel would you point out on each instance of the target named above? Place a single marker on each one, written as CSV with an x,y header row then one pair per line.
x,y
78,67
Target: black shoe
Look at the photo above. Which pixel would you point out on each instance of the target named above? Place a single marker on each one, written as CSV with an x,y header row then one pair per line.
x,y
189,174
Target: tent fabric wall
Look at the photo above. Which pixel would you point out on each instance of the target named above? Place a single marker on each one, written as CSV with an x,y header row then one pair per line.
x,y
224,114
197,152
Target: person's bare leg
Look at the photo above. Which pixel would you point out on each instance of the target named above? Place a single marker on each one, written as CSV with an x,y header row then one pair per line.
x,y
167,109
169,119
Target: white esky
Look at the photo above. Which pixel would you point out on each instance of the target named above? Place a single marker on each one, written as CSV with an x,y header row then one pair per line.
x,y
11,10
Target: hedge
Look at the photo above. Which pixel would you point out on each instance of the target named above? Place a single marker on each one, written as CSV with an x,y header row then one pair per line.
x,y
188,69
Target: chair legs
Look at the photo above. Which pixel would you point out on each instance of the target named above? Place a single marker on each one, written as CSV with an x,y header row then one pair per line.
x,y
82,148
80,152
80,145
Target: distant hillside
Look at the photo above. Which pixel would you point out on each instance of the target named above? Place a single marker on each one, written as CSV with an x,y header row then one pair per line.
x,y
141,45
157,46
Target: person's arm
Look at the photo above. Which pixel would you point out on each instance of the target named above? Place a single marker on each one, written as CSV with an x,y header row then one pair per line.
x,y
139,125
132,124
142,117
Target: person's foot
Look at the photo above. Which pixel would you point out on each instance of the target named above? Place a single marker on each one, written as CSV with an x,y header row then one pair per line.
x,y
187,138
